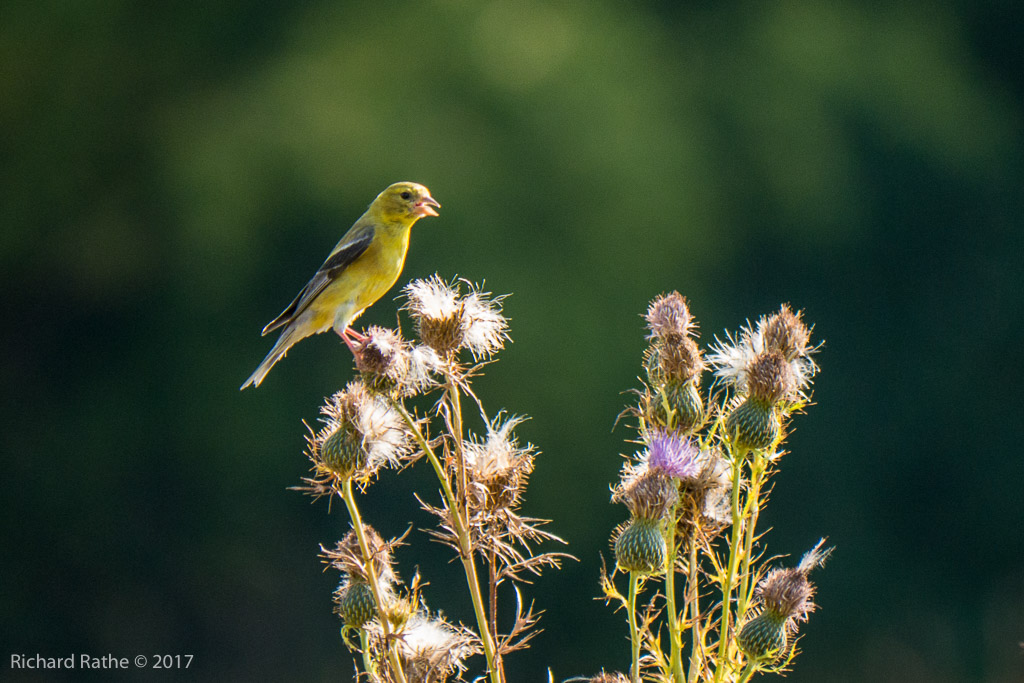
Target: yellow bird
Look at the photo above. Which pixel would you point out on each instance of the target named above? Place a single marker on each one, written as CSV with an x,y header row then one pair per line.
x,y
363,266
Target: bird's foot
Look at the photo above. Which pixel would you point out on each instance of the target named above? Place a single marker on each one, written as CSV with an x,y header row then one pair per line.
x,y
358,336
351,339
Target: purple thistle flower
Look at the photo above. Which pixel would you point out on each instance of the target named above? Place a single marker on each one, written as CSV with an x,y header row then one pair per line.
x,y
674,455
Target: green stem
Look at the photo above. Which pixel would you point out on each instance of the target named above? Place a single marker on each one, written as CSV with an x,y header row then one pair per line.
x,y
693,599
465,548
634,633
747,673
492,574
735,551
371,574
753,509
455,403
675,634
364,642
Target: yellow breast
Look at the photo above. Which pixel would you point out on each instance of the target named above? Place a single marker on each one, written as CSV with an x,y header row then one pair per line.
x,y
364,281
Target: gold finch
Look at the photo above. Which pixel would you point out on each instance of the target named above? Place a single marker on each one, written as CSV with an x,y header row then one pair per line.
x,y
361,269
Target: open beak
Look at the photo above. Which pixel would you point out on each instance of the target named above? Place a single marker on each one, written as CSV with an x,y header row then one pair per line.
x,y
427,206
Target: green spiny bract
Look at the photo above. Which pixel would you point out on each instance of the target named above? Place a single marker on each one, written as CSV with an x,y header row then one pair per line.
x,y
640,547
354,603
753,424
674,406
764,636
342,452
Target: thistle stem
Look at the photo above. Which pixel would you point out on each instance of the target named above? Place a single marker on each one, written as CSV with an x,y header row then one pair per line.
x,y
465,547
735,550
364,642
753,508
492,573
455,405
675,634
747,673
634,633
693,599
371,573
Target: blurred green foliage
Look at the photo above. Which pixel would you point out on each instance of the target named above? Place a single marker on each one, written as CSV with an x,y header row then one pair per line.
x,y
172,173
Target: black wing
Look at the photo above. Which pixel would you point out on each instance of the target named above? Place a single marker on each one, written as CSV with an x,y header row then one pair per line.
x,y
335,264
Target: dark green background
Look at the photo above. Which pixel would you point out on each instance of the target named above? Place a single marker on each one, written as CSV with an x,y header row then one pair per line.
x,y
171,174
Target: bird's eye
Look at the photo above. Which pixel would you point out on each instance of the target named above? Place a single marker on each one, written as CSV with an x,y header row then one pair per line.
x,y
406,195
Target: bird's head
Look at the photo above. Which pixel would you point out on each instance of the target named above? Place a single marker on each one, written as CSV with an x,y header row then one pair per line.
x,y
405,202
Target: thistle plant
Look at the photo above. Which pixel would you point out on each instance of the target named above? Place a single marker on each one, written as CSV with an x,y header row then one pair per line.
x,y
379,421
694,493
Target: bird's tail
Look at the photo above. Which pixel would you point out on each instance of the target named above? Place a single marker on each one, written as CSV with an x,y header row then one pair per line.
x,y
288,337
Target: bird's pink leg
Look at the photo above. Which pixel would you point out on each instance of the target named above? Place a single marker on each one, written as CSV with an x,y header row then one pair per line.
x,y
359,337
350,337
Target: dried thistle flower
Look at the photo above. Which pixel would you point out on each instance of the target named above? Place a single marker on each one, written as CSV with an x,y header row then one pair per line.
x,y
705,499
672,357
486,329
771,363
668,317
432,649
390,364
737,358
434,306
603,677
361,434
648,493
785,599
447,321
347,557
786,332
674,363
498,467
382,353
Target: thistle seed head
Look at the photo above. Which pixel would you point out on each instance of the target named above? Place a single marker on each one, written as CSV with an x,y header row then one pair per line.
x,y
447,321
706,498
347,557
361,434
498,467
784,598
486,329
783,333
382,353
391,365
434,306
432,650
